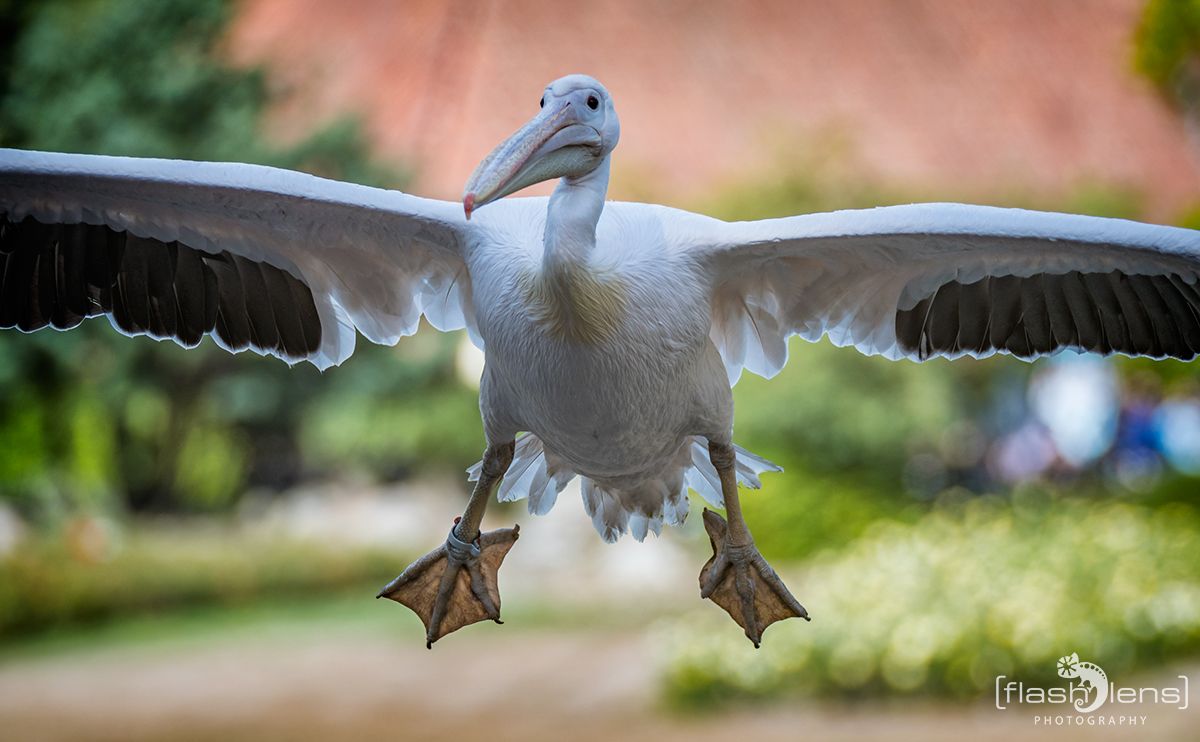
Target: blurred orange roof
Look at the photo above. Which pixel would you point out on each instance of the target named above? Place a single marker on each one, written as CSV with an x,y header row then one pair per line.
x,y
961,98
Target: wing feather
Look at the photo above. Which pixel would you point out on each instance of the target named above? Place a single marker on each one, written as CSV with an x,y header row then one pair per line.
x,y
72,249
190,285
233,322
1113,331
1005,315
930,280
22,278
276,261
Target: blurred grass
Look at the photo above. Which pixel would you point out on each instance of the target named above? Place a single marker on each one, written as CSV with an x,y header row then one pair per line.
x,y
88,574
282,588
977,588
348,610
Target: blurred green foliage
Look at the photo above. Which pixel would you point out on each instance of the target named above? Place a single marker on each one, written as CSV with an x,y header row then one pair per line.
x,y
146,78
975,589
1167,45
90,419
90,573
1167,52
843,452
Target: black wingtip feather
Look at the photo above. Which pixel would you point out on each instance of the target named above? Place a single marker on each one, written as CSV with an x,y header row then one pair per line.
x,y
1102,312
60,274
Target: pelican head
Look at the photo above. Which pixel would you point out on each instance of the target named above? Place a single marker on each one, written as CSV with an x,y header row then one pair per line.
x,y
575,130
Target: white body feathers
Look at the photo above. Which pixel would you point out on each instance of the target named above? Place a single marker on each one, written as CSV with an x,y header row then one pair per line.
x,y
615,379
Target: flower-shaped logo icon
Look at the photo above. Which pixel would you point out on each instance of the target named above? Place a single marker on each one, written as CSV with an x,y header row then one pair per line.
x,y
1067,666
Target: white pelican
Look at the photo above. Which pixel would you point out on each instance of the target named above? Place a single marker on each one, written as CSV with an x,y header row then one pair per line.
x,y
612,331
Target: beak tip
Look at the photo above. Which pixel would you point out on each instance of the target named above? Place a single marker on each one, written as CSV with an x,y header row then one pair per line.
x,y
468,205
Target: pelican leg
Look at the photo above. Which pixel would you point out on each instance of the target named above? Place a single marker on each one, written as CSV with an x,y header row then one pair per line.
x,y
455,585
737,578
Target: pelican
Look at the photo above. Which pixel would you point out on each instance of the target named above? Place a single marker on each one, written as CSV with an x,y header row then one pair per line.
x,y
612,332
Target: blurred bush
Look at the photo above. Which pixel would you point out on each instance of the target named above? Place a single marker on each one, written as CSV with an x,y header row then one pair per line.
x,y
1167,49
975,589
837,411
88,573
844,427
1167,53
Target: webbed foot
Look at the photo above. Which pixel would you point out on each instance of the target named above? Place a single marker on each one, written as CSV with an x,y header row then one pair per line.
x,y
455,585
738,579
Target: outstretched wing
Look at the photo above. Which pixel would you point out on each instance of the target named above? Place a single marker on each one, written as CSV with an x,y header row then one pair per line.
x,y
950,280
279,262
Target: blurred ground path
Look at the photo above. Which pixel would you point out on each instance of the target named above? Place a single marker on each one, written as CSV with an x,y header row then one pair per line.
x,y
495,683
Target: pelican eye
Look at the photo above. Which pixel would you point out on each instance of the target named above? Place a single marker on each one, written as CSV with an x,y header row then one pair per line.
x,y
593,103
542,102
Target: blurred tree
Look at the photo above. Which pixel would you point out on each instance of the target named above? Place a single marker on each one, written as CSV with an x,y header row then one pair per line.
x,y
1167,51
93,419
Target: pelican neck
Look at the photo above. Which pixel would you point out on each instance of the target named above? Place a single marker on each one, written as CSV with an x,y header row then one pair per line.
x,y
571,219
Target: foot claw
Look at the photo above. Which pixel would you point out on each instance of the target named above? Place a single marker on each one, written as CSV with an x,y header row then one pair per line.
x,y
740,581
452,586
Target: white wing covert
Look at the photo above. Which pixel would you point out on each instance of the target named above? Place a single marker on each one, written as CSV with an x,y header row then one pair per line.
x,y
280,262
928,280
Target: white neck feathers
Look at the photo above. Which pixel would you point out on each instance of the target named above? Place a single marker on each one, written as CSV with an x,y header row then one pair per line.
x,y
572,217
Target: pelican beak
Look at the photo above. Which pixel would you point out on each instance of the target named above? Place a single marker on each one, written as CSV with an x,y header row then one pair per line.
x,y
552,145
